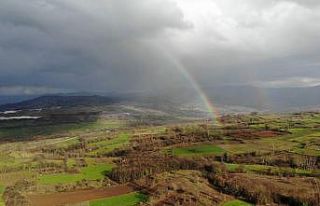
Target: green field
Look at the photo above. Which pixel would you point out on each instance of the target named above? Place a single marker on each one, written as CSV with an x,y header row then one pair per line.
x,y
198,150
67,142
106,146
92,172
12,160
2,188
131,199
236,203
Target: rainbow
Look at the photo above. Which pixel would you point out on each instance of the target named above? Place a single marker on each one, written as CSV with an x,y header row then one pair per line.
x,y
213,111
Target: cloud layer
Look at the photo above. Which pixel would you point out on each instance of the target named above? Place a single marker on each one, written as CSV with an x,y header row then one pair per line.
x,y
121,45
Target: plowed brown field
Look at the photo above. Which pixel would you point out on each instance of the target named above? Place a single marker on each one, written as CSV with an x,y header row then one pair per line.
x,y
63,198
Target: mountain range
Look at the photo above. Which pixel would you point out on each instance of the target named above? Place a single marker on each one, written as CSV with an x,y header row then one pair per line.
x,y
271,99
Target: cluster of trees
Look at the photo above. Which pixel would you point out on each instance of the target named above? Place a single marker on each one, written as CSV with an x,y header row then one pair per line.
x,y
262,191
180,199
178,136
74,150
80,185
276,158
137,166
14,195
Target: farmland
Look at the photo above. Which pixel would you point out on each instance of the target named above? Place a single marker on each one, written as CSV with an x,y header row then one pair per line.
x,y
130,199
236,203
91,172
197,150
122,161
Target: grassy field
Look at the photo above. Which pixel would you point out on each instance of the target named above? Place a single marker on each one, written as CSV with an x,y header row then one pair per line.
x,y
2,188
66,142
92,172
13,160
236,203
198,150
131,199
106,146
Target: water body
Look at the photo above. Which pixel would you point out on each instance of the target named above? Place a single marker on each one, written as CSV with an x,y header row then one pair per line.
x,y
19,118
10,112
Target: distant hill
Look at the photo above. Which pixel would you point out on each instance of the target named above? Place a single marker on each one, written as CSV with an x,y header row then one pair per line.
x,y
60,100
10,99
273,99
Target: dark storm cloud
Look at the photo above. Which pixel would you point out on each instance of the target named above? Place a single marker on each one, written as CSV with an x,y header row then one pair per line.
x,y
132,45
75,42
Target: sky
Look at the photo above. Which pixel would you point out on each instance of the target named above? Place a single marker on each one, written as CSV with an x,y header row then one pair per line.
x,y
50,46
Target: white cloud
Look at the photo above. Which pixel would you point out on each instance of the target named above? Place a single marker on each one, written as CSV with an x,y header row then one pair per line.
x,y
289,82
271,28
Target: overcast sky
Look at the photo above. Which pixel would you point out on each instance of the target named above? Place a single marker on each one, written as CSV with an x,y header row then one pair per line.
x,y
127,45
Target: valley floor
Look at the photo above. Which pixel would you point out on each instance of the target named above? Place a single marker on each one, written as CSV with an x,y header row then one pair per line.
x,y
253,159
